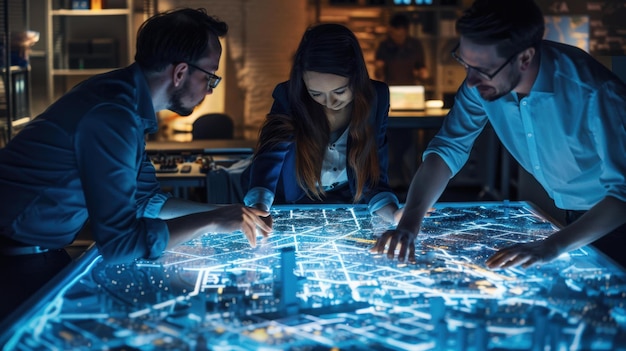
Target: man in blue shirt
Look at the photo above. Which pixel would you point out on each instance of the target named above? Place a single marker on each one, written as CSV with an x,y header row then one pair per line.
x,y
84,159
558,112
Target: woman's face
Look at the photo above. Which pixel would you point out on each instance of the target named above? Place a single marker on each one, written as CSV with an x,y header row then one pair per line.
x,y
329,90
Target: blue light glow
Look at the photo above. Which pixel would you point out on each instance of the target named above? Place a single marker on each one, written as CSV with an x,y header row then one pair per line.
x,y
217,291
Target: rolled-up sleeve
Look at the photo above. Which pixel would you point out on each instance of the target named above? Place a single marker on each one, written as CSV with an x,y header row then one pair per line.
x,y
460,129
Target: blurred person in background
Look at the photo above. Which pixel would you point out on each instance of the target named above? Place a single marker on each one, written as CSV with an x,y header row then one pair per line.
x,y
400,60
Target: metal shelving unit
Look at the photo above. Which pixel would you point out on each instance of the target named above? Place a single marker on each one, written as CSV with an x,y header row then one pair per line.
x,y
15,82
65,25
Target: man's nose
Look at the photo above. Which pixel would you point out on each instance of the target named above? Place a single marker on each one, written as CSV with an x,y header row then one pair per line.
x,y
472,78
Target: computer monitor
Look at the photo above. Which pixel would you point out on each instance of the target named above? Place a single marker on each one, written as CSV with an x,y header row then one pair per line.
x,y
407,97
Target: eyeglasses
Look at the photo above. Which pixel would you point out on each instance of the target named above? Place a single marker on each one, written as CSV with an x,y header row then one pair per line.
x,y
484,75
212,79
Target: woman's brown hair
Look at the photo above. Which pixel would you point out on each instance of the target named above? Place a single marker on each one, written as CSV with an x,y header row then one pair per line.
x,y
334,49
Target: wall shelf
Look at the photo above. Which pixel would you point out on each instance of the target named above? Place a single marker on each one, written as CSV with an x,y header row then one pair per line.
x,y
82,43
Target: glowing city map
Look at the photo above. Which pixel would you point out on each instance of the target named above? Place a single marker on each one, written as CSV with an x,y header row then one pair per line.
x,y
314,285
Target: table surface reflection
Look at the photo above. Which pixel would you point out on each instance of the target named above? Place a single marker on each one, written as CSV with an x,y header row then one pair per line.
x,y
314,285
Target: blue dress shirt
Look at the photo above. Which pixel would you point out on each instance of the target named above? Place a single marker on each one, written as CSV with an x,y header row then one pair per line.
x,y
84,158
569,132
272,174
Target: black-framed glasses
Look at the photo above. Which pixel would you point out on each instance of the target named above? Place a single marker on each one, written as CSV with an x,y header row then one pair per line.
x,y
481,73
212,79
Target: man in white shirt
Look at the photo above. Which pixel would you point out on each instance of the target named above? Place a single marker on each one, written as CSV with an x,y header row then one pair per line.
x,y
558,112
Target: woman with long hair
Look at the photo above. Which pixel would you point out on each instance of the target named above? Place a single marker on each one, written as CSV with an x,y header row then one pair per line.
x,y
324,140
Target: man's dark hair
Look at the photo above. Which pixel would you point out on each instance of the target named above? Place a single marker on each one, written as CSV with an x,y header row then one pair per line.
x,y
511,24
399,20
180,35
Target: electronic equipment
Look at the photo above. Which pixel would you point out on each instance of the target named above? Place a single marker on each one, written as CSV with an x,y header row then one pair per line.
x,y
407,97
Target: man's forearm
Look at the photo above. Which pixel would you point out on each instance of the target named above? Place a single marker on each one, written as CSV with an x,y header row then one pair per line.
x,y
175,207
601,219
427,185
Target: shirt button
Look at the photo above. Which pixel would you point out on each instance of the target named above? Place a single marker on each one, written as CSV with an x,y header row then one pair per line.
x,y
524,103
537,167
530,135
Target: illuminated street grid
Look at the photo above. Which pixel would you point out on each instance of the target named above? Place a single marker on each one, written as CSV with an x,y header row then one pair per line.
x,y
216,293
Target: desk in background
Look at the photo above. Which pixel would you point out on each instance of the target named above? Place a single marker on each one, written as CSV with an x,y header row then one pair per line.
x,y
193,154
180,182
488,166
408,134
205,147
427,119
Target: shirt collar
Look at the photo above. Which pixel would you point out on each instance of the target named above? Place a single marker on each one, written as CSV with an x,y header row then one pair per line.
x,y
544,82
145,109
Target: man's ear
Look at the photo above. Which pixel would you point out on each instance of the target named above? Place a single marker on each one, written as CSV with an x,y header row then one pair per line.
x,y
526,57
178,73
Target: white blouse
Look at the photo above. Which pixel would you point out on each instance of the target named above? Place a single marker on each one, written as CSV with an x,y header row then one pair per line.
x,y
334,172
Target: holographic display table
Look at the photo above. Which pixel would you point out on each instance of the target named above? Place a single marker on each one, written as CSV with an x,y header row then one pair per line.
x,y
314,285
